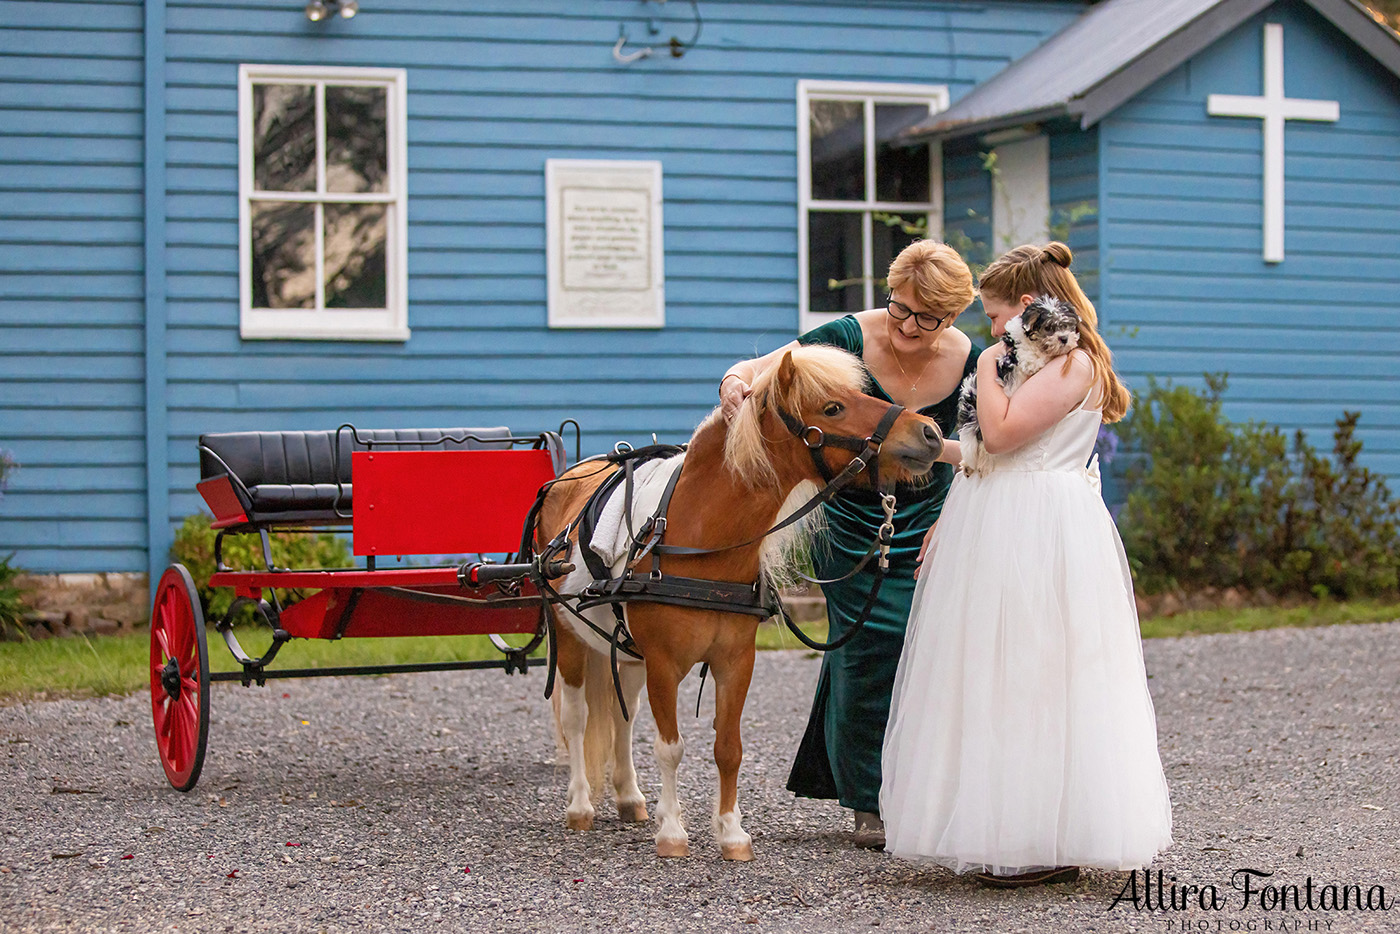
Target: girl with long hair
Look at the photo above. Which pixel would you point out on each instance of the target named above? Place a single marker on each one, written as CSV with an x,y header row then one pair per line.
x,y
1022,742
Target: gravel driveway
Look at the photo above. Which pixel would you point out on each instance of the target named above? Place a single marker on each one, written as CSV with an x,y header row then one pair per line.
x,y
360,804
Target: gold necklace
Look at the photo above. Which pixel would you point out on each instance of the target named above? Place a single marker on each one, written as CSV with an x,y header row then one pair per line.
x,y
914,385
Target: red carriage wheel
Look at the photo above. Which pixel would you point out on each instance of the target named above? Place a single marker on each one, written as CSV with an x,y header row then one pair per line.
x,y
179,677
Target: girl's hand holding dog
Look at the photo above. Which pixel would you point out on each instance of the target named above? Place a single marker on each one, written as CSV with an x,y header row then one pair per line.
x,y
1044,399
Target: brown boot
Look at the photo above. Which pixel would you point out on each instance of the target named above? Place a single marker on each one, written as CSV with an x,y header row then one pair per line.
x,y
870,831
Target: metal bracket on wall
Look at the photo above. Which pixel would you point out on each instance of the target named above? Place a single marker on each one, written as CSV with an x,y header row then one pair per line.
x,y
676,45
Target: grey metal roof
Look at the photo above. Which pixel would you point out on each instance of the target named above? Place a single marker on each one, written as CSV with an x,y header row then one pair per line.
x,y
1117,49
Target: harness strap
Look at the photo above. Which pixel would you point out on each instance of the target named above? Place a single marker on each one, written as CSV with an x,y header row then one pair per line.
x,y
852,632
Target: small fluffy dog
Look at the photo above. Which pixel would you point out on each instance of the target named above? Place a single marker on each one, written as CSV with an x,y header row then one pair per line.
x,y
1047,329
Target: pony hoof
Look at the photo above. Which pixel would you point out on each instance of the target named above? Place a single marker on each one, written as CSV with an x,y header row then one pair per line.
x,y
670,849
739,852
632,812
579,821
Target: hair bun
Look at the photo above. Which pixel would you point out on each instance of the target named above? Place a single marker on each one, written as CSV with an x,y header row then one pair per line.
x,y
1057,253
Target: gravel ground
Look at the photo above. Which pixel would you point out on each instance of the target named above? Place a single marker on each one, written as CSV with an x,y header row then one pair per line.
x,y
359,804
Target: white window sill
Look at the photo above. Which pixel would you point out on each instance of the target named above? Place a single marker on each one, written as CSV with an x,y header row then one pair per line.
x,y
255,332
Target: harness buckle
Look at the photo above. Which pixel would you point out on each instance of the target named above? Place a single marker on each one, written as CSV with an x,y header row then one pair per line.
x,y
807,437
886,534
857,464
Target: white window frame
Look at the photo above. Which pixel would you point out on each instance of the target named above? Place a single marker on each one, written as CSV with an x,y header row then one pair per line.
x,y
870,93
320,323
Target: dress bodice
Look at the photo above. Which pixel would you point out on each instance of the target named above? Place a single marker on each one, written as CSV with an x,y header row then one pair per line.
x,y
1065,446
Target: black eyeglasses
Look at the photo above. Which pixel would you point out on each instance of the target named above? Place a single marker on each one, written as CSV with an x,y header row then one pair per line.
x,y
900,312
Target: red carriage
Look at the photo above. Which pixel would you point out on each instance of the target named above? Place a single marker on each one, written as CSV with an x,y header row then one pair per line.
x,y
456,491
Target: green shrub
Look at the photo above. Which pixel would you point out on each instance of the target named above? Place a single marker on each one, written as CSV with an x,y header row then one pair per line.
x,y
12,604
194,548
1215,504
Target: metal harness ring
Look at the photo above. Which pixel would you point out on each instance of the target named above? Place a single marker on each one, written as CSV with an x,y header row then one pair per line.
x,y
807,437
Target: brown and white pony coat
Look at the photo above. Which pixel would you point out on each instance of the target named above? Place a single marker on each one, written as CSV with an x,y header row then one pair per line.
x,y
739,479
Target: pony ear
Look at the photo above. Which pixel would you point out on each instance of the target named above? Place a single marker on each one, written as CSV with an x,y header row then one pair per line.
x,y
787,371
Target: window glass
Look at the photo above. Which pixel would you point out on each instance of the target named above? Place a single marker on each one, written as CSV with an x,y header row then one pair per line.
x,y
888,235
356,139
356,235
284,137
883,207
838,150
834,257
284,255
901,172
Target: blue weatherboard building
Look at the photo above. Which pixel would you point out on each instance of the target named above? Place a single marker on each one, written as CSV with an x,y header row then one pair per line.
x,y
268,216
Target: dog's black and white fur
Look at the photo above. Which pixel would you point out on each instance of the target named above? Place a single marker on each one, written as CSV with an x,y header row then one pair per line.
x,y
1047,329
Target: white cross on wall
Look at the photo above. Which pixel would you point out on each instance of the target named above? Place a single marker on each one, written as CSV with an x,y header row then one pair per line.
x,y
1273,108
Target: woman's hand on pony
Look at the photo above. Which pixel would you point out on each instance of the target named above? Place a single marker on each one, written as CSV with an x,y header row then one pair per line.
x,y
733,390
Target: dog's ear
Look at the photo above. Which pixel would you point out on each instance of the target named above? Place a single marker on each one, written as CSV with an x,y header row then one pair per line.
x,y
1034,315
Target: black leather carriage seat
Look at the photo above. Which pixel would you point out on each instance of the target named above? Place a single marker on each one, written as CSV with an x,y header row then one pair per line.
x,y
289,477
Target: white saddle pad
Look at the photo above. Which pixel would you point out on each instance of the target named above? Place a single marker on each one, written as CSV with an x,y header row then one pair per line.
x,y
611,540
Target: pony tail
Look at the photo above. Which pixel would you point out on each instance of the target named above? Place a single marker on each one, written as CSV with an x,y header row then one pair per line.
x,y
1057,253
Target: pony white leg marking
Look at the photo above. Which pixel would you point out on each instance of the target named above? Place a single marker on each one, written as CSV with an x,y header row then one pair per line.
x,y
631,803
573,717
734,841
671,838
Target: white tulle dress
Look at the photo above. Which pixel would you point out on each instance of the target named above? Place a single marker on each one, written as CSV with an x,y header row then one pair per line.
x,y
1021,734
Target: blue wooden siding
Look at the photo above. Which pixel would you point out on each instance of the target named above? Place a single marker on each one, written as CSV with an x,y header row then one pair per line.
x,y
495,89
71,299
1301,340
967,201
1074,199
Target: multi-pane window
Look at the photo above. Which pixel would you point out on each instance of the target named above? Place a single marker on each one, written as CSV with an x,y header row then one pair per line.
x,y
322,212
865,194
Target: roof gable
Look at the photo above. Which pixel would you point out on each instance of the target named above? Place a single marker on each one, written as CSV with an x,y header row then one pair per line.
x,y
1119,48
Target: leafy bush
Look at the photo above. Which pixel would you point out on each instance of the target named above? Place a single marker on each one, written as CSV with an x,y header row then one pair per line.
x,y
12,604
1215,504
194,548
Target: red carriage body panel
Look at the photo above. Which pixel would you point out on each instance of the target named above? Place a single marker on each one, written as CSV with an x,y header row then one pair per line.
x,y
444,502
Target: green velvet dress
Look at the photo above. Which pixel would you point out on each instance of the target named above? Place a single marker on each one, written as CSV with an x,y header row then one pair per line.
x,y
839,756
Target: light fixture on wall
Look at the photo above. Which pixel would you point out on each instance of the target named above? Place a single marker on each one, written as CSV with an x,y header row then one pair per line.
x,y
318,10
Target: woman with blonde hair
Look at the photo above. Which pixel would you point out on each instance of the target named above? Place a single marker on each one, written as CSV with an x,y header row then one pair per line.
x,y
1022,742
916,358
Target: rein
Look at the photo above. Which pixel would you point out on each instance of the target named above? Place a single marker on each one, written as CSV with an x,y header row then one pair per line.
x,y
726,596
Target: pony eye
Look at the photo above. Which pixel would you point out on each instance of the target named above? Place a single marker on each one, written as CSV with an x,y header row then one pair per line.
x,y
833,409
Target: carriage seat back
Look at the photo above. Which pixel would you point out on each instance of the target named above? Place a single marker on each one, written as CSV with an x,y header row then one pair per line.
x,y
252,478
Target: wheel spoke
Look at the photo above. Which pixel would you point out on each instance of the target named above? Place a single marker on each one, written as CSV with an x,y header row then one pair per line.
x,y
176,747
162,641
184,636
190,726
162,712
189,687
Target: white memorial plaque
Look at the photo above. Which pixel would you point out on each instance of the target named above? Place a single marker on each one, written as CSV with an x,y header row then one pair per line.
x,y
604,244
